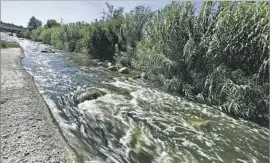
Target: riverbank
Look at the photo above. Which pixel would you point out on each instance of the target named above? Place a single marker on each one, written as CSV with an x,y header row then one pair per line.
x,y
28,131
5,44
155,81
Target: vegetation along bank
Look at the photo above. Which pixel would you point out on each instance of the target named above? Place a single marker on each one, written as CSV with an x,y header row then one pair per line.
x,y
217,55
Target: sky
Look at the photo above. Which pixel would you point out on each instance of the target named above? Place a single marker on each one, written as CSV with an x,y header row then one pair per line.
x,y
19,12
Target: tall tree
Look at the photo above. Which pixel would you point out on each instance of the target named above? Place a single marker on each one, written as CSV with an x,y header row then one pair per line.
x,y
34,23
51,23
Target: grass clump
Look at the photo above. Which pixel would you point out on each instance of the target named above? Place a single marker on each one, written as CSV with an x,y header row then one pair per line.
x,y
126,92
5,45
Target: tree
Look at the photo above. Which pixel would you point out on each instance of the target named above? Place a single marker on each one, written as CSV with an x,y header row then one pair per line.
x,y
34,23
51,23
114,13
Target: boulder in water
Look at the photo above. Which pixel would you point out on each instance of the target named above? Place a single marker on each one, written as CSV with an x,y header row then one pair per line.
x,y
201,124
200,97
100,63
109,64
112,68
136,77
88,94
96,60
143,75
208,126
126,92
124,70
47,50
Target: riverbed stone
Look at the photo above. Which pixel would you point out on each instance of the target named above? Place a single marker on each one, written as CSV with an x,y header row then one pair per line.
x,y
112,68
89,94
137,77
109,64
143,75
47,50
96,60
124,70
201,124
100,63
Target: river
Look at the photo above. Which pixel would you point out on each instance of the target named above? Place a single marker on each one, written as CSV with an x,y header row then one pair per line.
x,y
147,126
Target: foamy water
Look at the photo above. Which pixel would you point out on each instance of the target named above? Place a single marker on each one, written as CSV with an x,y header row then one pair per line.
x,y
146,126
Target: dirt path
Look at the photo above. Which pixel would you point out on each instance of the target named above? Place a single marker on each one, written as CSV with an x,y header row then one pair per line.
x,y
28,133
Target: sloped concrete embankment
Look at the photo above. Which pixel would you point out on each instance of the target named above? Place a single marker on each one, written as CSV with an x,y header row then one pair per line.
x,y
29,132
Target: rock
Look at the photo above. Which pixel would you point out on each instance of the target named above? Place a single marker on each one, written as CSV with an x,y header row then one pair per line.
x,y
26,153
143,75
5,136
88,94
100,63
201,124
123,78
47,50
200,97
96,60
109,64
126,92
5,157
118,66
208,126
136,77
112,68
124,70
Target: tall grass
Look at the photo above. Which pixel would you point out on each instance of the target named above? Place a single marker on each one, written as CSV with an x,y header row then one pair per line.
x,y
5,45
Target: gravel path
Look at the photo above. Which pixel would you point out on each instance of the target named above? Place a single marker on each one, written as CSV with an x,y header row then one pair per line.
x,y
28,131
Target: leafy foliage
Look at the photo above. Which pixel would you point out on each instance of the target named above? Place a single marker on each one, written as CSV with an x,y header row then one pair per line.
x,y
219,56
51,23
34,23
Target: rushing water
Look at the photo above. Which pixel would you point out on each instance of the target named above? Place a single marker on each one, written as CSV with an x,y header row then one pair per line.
x,y
144,126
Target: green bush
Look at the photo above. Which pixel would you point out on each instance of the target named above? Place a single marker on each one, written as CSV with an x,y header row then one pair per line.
x,y
36,34
25,34
5,44
102,43
219,56
46,36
